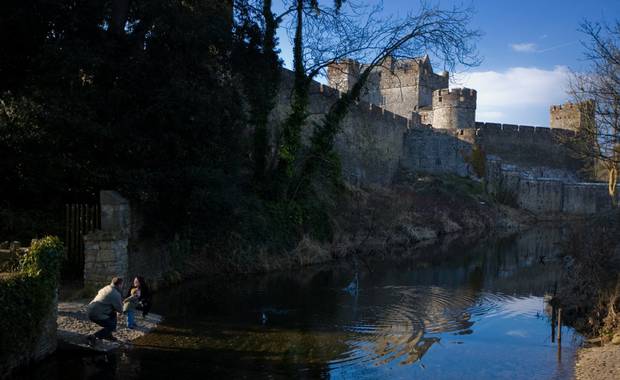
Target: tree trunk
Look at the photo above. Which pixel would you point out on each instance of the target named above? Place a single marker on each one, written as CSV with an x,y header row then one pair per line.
x,y
120,10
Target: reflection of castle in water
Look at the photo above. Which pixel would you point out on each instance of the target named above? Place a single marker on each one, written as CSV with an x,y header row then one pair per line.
x,y
412,317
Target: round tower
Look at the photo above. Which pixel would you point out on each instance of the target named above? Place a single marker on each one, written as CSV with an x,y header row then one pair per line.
x,y
454,108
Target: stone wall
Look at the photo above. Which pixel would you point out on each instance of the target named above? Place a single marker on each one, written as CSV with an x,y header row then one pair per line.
x,y
547,196
105,256
374,142
370,143
529,147
119,249
431,151
105,250
571,116
398,86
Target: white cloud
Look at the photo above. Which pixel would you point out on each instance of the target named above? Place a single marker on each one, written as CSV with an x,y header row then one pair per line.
x,y
519,95
526,47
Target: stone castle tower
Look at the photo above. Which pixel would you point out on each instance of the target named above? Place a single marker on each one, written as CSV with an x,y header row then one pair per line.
x,y
571,116
407,87
454,108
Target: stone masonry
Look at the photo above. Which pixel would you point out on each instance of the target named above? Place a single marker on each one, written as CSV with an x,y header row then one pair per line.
x,y
408,118
105,250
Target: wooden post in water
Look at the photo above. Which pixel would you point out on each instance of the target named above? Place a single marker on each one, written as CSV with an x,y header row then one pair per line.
x,y
553,320
559,325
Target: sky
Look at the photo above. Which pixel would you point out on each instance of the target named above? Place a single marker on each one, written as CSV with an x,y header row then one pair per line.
x,y
529,48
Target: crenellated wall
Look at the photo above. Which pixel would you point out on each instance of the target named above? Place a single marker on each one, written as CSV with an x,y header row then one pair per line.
x,y
529,146
374,143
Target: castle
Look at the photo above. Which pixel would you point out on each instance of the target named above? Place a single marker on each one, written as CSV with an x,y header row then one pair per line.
x,y
411,89
407,118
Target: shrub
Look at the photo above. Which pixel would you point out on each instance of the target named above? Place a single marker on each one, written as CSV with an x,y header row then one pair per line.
x,y
26,296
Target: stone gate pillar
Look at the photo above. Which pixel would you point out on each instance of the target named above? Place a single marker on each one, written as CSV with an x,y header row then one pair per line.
x,y
105,250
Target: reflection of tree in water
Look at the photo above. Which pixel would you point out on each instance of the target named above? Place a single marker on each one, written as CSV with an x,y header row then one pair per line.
x,y
408,315
410,348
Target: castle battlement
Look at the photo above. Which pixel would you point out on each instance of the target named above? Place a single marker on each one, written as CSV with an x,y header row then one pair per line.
x,y
496,128
574,116
455,97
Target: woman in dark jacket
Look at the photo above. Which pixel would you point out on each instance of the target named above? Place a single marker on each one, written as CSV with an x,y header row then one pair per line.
x,y
146,298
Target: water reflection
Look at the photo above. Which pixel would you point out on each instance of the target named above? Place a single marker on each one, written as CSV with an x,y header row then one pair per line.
x,y
476,312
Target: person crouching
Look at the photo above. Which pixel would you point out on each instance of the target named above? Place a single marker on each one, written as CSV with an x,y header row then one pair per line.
x,y
129,307
103,308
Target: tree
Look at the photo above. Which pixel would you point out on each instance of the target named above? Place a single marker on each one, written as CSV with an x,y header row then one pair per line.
x,y
130,95
323,33
349,30
597,91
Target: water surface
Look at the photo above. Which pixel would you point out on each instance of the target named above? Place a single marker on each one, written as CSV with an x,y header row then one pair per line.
x,y
460,313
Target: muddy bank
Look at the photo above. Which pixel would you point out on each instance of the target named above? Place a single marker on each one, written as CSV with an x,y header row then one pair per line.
x,y
598,363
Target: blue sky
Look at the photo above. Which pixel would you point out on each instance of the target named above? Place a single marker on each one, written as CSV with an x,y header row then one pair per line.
x,y
529,48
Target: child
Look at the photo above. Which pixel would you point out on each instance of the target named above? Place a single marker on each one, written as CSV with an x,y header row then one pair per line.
x,y
129,307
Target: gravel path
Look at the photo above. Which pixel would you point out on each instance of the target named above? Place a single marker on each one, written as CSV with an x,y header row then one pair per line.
x,y
598,363
74,326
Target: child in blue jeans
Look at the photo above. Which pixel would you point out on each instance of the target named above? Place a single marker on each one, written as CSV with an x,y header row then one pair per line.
x,y
129,307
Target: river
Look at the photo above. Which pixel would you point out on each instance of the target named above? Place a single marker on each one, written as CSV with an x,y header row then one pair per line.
x,y
474,312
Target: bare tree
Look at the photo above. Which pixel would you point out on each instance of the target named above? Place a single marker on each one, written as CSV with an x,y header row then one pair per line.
x,y
362,33
598,91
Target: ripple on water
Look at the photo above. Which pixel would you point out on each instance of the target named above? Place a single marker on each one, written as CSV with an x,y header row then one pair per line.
x,y
408,321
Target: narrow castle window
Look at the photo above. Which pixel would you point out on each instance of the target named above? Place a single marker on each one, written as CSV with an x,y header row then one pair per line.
x,y
440,99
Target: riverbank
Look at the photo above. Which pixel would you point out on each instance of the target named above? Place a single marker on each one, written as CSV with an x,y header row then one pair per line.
x,y
589,293
418,211
598,363
74,326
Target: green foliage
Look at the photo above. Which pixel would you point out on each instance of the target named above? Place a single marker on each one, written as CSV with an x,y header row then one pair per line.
x,y
26,296
149,112
506,197
452,186
477,159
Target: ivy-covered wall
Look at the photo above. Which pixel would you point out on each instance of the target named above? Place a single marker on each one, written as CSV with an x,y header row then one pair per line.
x,y
28,305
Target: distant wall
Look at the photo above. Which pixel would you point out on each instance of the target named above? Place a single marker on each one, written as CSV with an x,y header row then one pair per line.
x,y
547,196
528,146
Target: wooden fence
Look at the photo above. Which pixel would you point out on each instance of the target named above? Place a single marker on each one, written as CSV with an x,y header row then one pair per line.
x,y
80,220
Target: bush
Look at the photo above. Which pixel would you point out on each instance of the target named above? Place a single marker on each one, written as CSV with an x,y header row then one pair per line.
x,y
26,296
